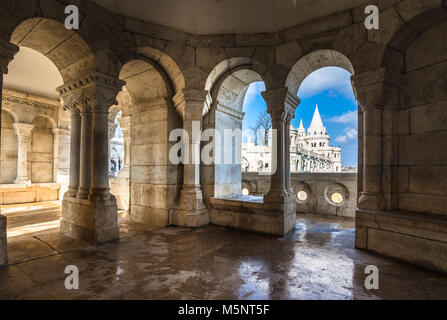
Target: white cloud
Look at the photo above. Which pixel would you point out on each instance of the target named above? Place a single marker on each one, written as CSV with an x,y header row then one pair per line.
x,y
253,90
350,135
335,79
350,117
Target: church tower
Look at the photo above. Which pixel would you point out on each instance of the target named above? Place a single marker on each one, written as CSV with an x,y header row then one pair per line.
x,y
317,136
301,135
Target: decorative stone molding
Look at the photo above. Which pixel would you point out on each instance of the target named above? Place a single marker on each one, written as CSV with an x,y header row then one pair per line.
x,y
39,106
230,111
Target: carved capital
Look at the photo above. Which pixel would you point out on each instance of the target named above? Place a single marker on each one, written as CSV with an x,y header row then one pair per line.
x,y
190,103
281,105
112,129
375,89
95,90
23,131
7,53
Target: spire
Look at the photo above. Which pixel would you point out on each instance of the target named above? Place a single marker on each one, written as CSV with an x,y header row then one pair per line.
x,y
317,124
301,128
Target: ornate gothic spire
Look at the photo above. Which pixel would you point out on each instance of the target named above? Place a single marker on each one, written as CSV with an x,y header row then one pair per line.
x,y
317,124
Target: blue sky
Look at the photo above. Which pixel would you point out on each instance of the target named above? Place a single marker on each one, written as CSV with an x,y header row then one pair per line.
x,y
331,89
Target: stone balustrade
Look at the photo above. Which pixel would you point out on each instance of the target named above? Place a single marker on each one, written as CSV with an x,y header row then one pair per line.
x,y
330,194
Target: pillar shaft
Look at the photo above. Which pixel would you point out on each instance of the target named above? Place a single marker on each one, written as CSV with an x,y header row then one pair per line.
x,y
56,140
191,210
85,153
281,106
376,90
100,155
75,151
23,132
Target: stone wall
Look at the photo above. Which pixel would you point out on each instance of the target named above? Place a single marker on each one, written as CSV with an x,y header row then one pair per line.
x,y
154,182
8,162
319,188
398,75
423,126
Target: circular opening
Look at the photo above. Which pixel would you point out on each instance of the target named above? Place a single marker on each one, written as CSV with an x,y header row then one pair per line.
x,y
337,198
245,192
302,196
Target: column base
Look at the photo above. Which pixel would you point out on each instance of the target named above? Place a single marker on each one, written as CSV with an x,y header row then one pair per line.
x,y
83,193
71,192
3,242
191,211
22,181
371,201
276,196
90,221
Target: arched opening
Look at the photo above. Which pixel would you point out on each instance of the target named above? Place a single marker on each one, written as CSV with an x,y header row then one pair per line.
x,y
222,175
324,134
147,118
36,130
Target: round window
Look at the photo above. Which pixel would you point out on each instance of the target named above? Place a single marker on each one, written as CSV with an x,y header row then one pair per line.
x,y
302,196
245,192
337,198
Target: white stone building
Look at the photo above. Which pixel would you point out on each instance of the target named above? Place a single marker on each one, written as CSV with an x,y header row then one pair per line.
x,y
309,151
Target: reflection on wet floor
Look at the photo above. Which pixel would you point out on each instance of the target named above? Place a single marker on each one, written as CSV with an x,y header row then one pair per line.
x,y
316,261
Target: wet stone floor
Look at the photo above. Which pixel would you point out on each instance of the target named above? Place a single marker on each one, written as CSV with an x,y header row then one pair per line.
x,y
316,261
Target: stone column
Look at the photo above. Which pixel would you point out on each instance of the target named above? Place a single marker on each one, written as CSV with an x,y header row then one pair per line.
x,y
111,133
75,151
100,190
85,152
125,126
281,107
7,53
93,219
191,210
376,90
56,140
23,133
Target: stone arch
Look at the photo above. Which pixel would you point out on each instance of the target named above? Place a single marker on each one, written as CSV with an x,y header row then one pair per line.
x,y
394,54
167,68
147,105
234,75
227,85
312,62
50,120
11,113
65,48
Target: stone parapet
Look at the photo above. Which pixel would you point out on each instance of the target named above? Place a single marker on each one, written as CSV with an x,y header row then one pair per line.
x,y
252,214
416,238
28,193
318,188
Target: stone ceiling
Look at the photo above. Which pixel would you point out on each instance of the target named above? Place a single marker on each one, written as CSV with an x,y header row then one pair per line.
x,y
228,16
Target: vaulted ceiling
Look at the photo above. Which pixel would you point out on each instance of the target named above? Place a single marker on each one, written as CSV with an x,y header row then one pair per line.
x,y
228,16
